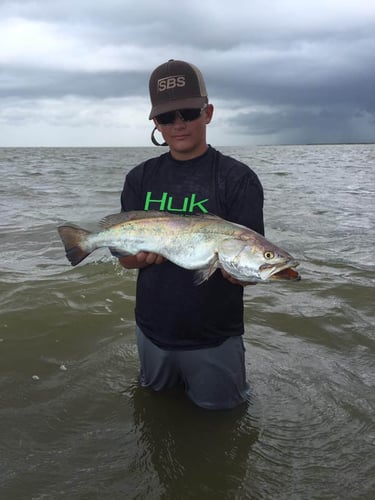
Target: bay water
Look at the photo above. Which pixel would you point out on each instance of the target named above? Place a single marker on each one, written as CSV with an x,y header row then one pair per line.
x,y
74,422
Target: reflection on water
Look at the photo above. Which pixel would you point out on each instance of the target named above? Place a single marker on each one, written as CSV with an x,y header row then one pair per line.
x,y
187,447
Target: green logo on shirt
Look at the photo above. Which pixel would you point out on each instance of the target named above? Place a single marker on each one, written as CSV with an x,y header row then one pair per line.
x,y
166,203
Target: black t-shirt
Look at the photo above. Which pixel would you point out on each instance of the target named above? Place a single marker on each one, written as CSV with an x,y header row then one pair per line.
x,y
170,309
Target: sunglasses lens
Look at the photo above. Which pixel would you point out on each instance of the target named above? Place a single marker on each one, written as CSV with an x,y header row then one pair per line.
x,y
187,115
166,118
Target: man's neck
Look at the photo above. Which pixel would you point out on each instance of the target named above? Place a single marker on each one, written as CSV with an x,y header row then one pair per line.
x,y
189,155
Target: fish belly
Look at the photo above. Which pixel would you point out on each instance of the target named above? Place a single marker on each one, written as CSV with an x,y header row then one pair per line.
x,y
186,250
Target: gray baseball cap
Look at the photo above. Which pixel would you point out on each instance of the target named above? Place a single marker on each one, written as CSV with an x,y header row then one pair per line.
x,y
176,85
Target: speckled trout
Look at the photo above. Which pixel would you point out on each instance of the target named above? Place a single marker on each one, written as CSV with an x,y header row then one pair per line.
x,y
202,243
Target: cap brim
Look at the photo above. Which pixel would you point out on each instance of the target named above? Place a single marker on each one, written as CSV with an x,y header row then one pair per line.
x,y
173,105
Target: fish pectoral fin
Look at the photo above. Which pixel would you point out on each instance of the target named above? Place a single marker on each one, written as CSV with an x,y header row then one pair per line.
x,y
202,275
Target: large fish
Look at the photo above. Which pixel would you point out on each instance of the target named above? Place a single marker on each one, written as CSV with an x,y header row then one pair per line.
x,y
201,243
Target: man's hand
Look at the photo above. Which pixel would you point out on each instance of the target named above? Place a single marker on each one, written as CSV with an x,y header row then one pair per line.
x,y
230,278
141,260
149,258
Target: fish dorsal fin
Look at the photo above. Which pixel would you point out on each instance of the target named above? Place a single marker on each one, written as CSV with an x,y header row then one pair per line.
x,y
122,217
209,215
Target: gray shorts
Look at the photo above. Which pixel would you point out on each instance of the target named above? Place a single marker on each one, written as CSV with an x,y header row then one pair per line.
x,y
214,378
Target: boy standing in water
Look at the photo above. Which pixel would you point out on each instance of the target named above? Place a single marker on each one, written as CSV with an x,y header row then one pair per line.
x,y
188,334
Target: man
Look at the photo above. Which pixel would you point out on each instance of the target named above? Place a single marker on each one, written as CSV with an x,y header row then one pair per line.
x,y
188,334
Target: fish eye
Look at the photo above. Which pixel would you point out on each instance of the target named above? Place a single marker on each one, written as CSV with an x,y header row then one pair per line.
x,y
268,254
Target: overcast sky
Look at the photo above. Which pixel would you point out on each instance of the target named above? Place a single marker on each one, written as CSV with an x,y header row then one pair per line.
x,y
75,73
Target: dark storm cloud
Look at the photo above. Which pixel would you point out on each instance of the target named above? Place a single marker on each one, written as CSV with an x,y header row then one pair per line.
x,y
307,125
44,83
301,70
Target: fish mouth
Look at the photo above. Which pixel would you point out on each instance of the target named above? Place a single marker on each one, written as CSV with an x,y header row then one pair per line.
x,y
280,271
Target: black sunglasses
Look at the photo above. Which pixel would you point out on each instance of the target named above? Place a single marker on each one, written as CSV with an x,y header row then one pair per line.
x,y
187,115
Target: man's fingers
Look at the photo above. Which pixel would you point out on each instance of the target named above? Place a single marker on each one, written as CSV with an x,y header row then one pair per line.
x,y
149,258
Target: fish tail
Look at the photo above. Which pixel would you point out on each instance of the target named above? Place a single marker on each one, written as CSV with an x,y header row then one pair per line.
x,y
74,242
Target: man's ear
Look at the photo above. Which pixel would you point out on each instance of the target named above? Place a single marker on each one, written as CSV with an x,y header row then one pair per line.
x,y
156,124
208,113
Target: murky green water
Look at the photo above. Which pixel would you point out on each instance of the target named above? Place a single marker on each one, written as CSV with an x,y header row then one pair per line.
x,y
75,424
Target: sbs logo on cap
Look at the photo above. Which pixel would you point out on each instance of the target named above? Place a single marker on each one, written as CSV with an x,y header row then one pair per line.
x,y
171,82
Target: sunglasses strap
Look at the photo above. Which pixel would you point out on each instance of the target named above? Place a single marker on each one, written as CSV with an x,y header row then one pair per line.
x,y
154,141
